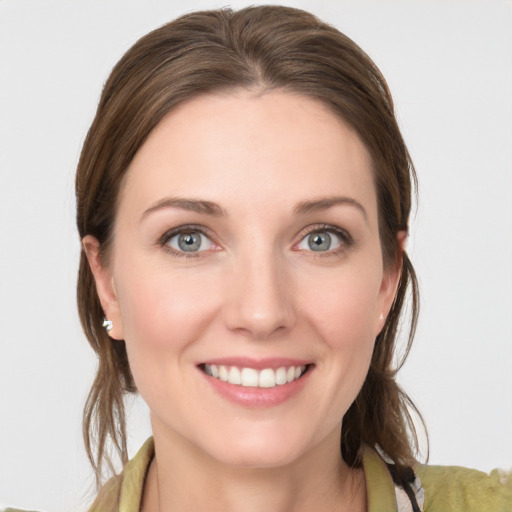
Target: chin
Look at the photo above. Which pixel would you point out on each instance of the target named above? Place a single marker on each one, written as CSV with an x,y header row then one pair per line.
x,y
260,451
259,459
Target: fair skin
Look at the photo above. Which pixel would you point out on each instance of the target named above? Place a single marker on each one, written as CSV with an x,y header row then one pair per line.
x,y
283,271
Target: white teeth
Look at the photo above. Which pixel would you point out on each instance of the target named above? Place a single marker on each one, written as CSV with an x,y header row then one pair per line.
x,y
250,377
267,378
281,376
234,376
223,373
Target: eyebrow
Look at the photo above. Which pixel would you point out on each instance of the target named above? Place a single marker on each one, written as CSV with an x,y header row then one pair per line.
x,y
215,210
325,203
193,205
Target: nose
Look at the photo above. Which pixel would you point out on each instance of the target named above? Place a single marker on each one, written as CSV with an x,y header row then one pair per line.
x,y
260,297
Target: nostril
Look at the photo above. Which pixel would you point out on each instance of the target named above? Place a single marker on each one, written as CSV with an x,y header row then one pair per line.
x,y
258,298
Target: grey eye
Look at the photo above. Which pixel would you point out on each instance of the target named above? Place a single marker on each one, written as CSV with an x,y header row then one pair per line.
x,y
192,241
320,241
323,240
189,241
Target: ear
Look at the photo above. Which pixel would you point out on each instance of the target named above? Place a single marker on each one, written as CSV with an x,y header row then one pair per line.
x,y
104,285
389,284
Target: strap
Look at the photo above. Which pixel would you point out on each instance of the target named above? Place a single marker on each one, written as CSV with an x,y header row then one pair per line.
x,y
410,496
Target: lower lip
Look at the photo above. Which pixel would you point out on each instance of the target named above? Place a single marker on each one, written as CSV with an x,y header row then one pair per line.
x,y
257,397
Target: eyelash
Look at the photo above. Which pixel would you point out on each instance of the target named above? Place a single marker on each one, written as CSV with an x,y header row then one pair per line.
x,y
169,235
347,240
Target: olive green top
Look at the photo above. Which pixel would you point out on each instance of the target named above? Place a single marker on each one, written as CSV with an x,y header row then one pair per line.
x,y
447,488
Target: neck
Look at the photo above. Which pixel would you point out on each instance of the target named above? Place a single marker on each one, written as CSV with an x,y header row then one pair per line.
x,y
181,480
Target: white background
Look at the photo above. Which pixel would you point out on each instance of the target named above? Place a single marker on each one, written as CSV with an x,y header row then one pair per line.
x,y
448,64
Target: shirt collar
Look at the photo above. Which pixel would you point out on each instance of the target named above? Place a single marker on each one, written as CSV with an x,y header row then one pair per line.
x,y
380,489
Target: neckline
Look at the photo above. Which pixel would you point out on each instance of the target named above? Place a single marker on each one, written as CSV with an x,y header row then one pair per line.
x,y
379,484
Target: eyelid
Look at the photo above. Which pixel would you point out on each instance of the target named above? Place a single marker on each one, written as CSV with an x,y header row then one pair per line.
x,y
163,241
343,234
182,229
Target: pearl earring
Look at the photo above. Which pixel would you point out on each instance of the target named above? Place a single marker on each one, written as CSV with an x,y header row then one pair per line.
x,y
381,317
108,324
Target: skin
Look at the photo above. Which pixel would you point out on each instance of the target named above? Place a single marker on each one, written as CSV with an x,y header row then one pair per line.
x,y
255,289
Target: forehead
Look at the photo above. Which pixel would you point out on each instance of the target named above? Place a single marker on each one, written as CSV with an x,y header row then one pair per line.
x,y
266,150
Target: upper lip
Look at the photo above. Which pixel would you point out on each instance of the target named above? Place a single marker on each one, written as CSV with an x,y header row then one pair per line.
x,y
257,364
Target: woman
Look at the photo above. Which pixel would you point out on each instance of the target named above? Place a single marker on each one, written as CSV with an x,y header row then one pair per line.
x,y
243,199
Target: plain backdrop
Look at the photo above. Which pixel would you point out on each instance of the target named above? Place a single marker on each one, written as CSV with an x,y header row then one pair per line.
x,y
448,64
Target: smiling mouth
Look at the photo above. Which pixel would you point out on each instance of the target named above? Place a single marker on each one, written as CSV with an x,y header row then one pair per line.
x,y
250,377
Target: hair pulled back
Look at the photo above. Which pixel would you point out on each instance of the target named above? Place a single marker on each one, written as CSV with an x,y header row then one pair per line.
x,y
268,48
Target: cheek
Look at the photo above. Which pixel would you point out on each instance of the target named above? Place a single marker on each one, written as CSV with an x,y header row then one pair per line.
x,y
162,313
161,300
345,307
343,317
347,330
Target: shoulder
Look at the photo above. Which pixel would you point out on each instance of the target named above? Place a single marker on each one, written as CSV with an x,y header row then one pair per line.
x,y
108,497
15,510
124,491
453,488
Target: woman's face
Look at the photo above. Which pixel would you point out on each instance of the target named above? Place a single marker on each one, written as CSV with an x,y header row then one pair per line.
x,y
246,248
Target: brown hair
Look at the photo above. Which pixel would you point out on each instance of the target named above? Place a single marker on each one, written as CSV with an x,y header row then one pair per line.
x,y
268,47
